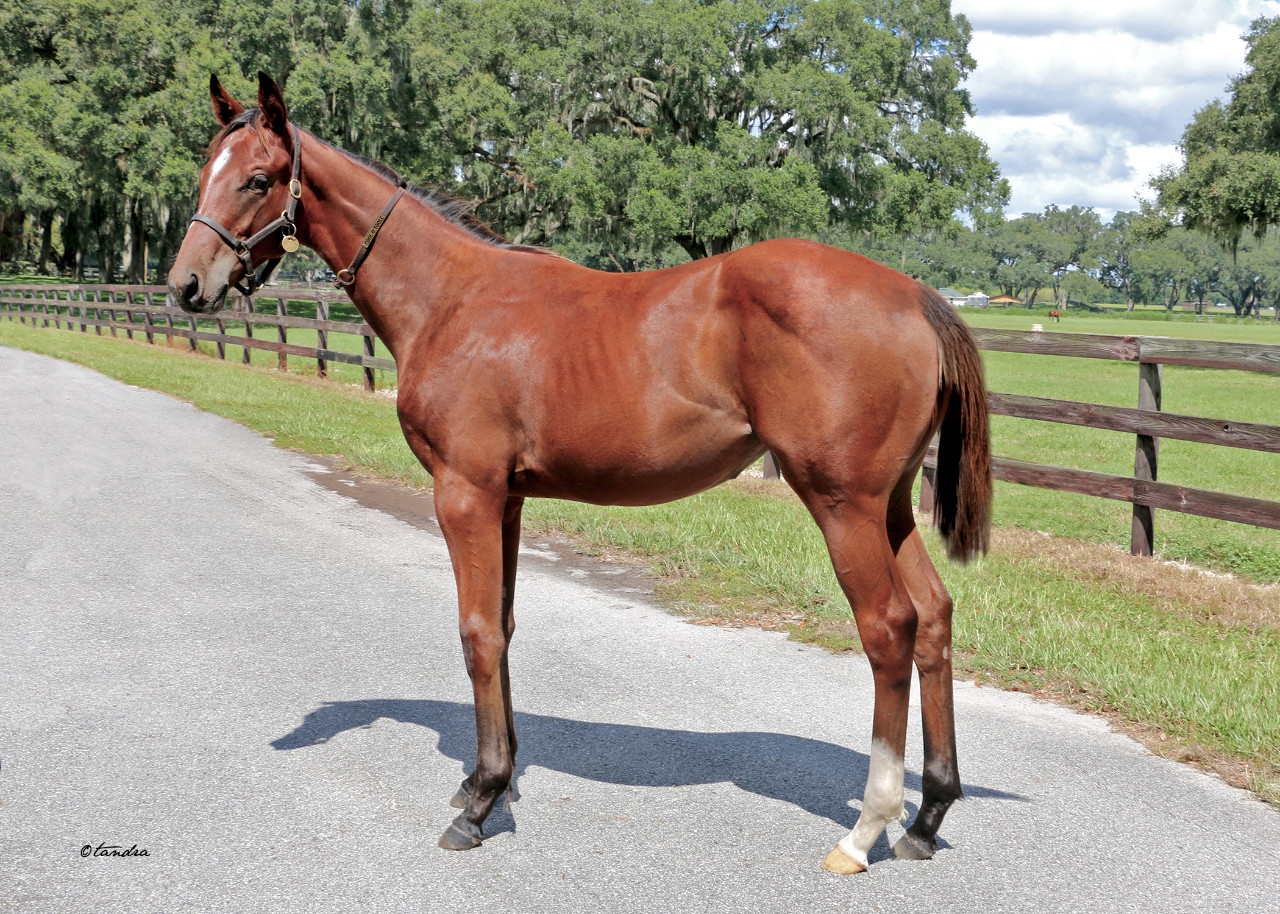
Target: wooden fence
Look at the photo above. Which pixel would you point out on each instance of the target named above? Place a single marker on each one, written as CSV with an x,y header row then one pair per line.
x,y
1147,423
140,313
134,310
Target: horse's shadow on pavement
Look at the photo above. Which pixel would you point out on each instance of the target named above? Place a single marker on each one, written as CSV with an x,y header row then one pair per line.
x,y
816,776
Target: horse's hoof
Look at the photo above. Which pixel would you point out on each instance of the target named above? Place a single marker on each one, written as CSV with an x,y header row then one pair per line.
x,y
462,797
909,847
839,862
460,837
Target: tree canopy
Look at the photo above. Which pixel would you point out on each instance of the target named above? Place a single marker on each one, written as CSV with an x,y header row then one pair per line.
x,y
626,133
1229,182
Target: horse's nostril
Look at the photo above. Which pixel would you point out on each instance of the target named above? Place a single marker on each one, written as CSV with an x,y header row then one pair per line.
x,y
192,288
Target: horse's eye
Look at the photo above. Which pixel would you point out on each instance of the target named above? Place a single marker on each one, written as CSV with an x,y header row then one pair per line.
x,y
258,183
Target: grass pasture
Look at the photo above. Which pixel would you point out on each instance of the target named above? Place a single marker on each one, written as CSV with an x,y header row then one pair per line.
x,y
1186,660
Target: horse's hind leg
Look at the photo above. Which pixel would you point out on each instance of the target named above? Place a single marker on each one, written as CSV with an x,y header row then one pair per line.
x,y
941,781
868,573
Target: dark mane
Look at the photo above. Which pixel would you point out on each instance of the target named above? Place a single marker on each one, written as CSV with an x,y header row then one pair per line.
x,y
454,210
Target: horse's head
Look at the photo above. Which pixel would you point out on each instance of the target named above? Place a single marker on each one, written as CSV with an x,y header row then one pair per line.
x,y
248,196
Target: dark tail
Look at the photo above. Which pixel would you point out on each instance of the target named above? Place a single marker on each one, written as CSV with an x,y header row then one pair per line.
x,y
962,485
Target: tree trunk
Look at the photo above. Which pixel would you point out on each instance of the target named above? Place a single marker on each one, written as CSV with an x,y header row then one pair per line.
x,y
106,259
693,247
138,246
722,245
72,247
46,241
11,233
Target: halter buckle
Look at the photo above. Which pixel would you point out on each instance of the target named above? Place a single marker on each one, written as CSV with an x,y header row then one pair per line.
x,y
295,188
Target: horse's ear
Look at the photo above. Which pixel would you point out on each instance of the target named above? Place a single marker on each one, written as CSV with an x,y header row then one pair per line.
x,y
271,101
225,108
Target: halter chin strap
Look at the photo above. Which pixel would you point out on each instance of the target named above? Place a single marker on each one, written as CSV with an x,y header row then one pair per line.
x,y
252,281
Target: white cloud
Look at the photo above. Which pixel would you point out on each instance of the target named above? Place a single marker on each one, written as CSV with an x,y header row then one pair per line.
x,y
1105,77
1081,101
1153,19
1053,159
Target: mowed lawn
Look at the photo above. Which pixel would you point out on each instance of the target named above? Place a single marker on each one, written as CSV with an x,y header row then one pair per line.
x,y
1187,661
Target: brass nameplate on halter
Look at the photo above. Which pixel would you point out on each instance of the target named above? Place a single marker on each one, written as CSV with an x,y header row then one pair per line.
x,y
289,243
373,230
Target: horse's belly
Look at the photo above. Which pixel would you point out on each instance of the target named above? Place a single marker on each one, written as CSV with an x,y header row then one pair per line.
x,y
626,471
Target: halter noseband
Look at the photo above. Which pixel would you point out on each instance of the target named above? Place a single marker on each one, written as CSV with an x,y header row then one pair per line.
x,y
252,281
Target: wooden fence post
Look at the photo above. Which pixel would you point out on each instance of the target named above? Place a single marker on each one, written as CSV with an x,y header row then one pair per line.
x,y
146,318
927,477
368,371
1145,464
221,343
771,468
129,300
248,326
322,335
282,310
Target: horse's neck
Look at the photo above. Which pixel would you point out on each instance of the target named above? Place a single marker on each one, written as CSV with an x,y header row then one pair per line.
x,y
396,288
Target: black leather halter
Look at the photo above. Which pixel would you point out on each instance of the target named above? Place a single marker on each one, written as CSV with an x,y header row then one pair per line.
x,y
243,247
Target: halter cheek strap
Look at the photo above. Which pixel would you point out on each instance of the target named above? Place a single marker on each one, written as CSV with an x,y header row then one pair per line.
x,y
243,247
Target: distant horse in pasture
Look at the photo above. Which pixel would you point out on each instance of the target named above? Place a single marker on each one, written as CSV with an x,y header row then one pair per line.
x,y
1055,315
523,375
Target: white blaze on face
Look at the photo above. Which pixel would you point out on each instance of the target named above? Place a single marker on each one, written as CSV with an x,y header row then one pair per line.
x,y
218,164
881,802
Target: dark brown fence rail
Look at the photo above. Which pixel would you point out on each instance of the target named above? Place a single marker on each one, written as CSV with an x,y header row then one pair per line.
x,y
140,312
1147,423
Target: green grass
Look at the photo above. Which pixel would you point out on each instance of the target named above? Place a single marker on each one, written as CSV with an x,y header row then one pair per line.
x,y
748,553
1209,684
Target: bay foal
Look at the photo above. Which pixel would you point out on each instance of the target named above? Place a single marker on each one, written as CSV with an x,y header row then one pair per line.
x,y
523,375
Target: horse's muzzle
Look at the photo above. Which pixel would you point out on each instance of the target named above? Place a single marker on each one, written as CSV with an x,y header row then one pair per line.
x,y
190,295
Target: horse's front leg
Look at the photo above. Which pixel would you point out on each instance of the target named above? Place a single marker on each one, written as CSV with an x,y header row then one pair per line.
x,y
510,558
471,517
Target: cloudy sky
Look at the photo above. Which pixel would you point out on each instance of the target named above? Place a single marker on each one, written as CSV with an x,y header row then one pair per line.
x,y
1081,101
